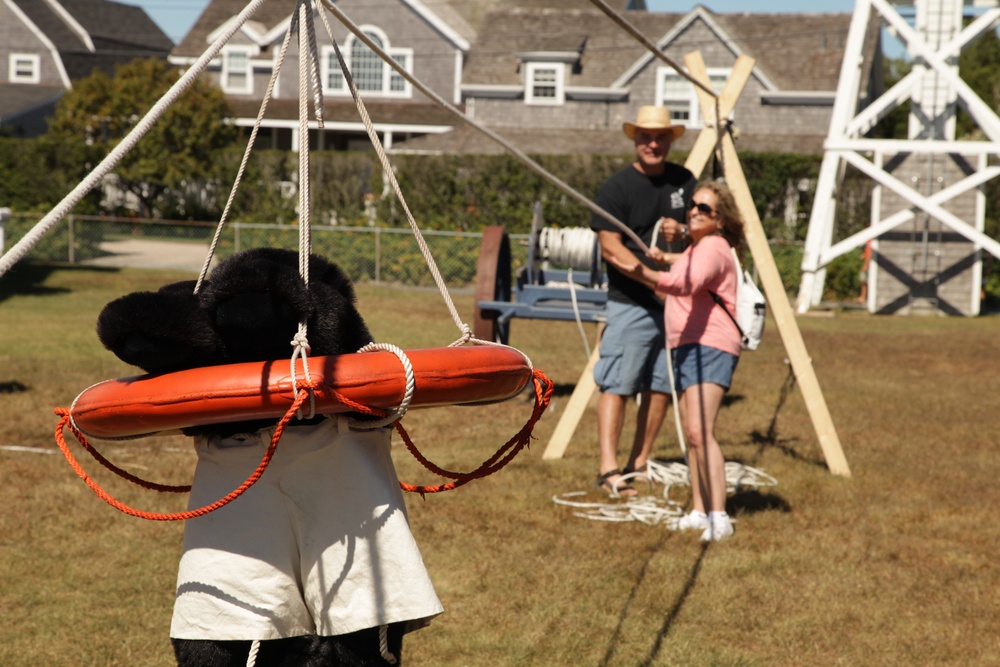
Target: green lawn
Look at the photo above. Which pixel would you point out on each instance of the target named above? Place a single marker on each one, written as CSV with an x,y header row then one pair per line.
x,y
896,565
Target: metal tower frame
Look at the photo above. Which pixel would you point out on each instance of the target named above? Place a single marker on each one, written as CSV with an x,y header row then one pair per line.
x,y
934,88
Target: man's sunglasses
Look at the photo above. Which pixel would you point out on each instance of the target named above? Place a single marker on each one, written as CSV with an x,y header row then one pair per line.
x,y
704,209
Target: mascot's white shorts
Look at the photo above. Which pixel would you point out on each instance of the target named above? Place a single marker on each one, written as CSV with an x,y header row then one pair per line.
x,y
319,545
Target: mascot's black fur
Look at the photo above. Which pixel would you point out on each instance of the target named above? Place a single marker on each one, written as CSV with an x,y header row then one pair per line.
x,y
249,310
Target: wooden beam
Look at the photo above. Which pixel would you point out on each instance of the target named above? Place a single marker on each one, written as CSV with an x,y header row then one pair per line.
x,y
585,387
777,299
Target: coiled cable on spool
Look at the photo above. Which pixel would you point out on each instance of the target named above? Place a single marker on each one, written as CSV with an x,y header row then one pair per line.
x,y
577,249
572,247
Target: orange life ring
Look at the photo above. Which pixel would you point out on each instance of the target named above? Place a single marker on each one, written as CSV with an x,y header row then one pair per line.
x,y
147,404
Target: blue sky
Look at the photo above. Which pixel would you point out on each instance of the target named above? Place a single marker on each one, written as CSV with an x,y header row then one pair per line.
x,y
175,17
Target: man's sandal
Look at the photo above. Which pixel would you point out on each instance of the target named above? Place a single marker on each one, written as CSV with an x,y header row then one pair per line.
x,y
640,474
619,489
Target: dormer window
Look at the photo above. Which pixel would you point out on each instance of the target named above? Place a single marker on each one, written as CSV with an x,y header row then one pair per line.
x,y
237,73
25,68
544,83
371,75
680,96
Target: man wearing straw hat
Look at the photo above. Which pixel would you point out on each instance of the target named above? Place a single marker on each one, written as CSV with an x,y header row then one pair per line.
x,y
633,348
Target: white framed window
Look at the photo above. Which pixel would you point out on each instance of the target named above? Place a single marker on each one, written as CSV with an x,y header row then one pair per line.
x,y
371,75
25,68
237,71
544,83
680,96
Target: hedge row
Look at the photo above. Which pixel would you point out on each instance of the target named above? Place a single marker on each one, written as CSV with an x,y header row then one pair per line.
x,y
455,193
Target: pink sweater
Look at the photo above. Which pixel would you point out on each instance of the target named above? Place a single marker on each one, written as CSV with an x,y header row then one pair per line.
x,y
691,315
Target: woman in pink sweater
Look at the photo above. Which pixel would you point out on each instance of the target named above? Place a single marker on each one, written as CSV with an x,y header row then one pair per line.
x,y
704,343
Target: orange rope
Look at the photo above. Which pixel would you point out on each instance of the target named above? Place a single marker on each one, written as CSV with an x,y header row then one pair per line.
x,y
503,456
172,516
543,393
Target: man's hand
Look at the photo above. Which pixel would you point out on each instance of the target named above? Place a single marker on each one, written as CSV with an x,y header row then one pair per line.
x,y
672,231
635,270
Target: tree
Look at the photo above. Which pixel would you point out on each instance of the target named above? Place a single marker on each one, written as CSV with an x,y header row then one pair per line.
x,y
894,124
177,154
979,66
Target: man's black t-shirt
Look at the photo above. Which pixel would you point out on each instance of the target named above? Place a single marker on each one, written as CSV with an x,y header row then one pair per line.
x,y
639,201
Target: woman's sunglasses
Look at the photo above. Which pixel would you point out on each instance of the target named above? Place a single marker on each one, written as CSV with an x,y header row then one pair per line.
x,y
704,209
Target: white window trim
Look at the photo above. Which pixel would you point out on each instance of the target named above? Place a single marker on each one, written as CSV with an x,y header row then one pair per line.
x,y
329,61
407,90
246,89
695,121
529,84
36,68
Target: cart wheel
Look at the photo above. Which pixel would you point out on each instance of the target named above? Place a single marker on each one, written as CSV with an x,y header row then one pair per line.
x,y
492,284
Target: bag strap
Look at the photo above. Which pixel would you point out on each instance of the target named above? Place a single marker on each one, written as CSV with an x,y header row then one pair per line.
x,y
718,299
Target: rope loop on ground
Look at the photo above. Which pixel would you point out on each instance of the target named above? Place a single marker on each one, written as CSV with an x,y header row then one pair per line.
x,y
649,508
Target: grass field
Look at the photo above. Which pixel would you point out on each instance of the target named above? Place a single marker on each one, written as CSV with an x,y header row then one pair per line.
x,y
896,565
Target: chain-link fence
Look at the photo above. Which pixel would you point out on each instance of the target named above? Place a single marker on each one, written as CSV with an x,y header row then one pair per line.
x,y
367,254
384,255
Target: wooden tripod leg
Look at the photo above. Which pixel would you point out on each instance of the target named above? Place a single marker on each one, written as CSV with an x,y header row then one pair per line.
x,y
585,387
784,317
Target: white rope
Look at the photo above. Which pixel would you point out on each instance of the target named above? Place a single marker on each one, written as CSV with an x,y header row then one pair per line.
x,y
673,390
465,334
383,644
390,174
404,404
576,314
252,656
514,150
575,248
306,57
646,509
568,246
300,350
21,248
653,510
269,91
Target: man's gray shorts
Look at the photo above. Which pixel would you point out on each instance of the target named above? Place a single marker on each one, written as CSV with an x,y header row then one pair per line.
x,y
633,351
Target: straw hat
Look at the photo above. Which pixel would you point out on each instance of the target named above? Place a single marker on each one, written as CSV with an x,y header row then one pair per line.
x,y
653,119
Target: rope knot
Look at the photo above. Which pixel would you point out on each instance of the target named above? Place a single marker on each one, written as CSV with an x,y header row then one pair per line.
x,y
301,342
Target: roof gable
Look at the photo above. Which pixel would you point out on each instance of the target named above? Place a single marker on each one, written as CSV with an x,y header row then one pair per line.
x,y
801,52
271,20
117,24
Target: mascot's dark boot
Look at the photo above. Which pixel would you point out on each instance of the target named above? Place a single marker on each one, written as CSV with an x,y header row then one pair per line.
x,y
160,331
357,649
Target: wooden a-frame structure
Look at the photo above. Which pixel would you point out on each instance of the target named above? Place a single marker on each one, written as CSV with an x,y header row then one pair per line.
x,y
716,139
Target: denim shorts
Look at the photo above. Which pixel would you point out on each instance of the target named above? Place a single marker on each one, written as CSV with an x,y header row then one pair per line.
x,y
633,352
698,364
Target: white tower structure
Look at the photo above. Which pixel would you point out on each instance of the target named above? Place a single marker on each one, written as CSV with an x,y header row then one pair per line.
x,y
928,205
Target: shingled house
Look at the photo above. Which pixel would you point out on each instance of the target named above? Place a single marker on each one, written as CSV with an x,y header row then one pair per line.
x,y
564,79
552,76
45,45
428,38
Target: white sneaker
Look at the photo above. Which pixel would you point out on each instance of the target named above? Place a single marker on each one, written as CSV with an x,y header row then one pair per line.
x,y
693,520
718,528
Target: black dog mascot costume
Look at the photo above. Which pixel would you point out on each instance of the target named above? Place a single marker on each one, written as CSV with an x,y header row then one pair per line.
x,y
315,561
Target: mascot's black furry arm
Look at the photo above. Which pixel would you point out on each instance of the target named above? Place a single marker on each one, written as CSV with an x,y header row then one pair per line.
x,y
315,561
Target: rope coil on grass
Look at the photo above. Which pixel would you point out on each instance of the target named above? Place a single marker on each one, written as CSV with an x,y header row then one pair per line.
x,y
652,510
